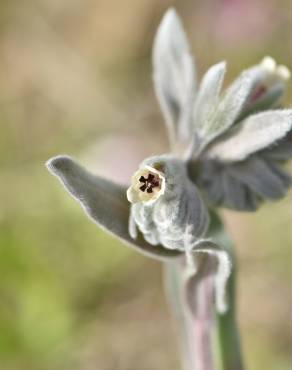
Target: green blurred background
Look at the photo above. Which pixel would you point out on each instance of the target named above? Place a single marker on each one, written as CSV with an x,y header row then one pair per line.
x,y
75,78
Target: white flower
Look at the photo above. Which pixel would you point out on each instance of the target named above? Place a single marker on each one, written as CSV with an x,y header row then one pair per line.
x,y
171,209
147,185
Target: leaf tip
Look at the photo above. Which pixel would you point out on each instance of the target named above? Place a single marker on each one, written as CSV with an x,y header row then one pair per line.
x,y
170,25
170,16
58,164
222,64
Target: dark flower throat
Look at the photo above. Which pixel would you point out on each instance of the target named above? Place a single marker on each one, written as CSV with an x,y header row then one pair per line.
x,y
149,183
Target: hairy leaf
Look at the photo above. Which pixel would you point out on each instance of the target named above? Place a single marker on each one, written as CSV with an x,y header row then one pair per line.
x,y
104,202
267,101
262,178
174,75
208,94
209,259
227,110
220,188
255,133
281,151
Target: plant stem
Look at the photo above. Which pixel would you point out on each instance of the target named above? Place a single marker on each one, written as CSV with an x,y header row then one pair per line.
x,y
228,331
229,338
197,332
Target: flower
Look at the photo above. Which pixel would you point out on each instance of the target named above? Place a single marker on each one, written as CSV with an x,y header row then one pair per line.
x,y
226,151
174,215
148,184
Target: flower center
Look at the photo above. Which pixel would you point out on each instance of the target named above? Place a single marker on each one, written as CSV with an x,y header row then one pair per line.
x,y
149,183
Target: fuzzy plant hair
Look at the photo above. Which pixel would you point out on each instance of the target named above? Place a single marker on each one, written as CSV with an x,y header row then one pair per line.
x,y
227,150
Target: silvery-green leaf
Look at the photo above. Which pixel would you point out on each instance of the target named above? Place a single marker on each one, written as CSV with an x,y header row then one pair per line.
x,y
281,173
236,195
209,259
281,151
174,75
264,102
269,82
208,94
251,135
262,178
222,189
227,110
104,202
258,77
178,217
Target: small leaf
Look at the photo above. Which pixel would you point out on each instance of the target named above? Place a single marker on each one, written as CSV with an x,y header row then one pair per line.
x,y
227,110
208,94
174,75
267,101
241,186
262,178
221,189
251,135
104,202
209,260
281,151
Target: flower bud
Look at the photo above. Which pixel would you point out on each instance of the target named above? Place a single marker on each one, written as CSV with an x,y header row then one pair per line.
x,y
269,84
274,73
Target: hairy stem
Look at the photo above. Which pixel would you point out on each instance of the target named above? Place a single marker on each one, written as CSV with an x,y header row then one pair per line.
x,y
197,332
229,338
228,331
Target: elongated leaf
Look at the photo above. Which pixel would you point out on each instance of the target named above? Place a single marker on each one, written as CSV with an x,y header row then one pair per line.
x,y
262,178
208,94
209,259
221,188
267,101
228,109
266,89
281,151
104,202
174,75
255,133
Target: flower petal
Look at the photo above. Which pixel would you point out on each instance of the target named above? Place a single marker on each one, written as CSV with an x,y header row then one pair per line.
x,y
209,259
147,185
251,135
174,76
104,202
